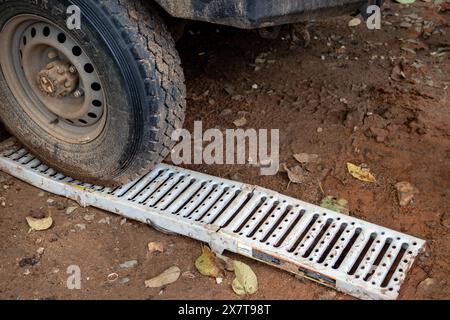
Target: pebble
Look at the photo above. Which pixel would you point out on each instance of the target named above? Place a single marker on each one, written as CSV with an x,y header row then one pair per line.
x,y
129,264
81,226
445,220
329,295
405,25
405,193
71,210
105,221
89,217
226,112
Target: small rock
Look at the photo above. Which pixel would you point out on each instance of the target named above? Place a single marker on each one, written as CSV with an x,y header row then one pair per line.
x,y
129,264
124,280
40,251
329,295
81,226
41,194
50,201
237,97
445,220
405,25
240,122
405,193
105,221
29,262
155,247
229,89
71,210
226,112
306,158
379,134
89,217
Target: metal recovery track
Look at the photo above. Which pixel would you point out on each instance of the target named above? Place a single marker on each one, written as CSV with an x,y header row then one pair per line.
x,y
355,257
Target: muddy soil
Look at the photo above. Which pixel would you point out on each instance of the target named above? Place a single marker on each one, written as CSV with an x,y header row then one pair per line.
x,y
379,98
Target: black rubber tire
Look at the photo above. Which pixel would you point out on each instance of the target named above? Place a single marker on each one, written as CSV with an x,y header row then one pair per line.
x,y
138,64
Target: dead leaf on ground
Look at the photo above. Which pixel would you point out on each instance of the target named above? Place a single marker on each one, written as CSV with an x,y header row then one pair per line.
x,y
246,282
227,263
295,174
40,224
360,173
208,264
405,1
306,158
354,22
167,277
335,204
398,72
155,247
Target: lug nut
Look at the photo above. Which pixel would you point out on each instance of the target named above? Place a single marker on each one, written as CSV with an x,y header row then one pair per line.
x,y
72,69
78,93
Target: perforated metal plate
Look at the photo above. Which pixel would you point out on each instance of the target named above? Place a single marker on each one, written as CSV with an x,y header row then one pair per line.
x,y
350,255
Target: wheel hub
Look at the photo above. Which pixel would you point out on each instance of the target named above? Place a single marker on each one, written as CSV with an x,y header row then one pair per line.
x,y
58,79
53,79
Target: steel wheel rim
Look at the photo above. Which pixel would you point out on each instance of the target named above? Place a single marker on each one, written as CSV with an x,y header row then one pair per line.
x,y
67,100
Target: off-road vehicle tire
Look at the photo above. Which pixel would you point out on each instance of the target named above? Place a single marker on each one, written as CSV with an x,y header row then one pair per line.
x,y
127,79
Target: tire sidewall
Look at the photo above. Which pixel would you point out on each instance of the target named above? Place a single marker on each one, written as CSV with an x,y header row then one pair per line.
x,y
114,148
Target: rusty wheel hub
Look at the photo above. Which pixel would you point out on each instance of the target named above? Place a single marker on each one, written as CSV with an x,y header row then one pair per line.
x,y
53,79
58,79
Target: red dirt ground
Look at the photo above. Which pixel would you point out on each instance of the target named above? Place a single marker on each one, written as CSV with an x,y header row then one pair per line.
x,y
399,129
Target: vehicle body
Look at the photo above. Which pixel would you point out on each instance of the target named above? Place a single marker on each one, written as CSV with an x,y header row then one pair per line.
x,y
251,14
99,102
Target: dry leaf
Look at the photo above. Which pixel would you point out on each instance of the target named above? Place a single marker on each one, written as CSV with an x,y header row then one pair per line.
x,y
40,224
155,247
208,265
167,277
354,22
227,263
246,281
296,174
398,72
360,173
238,288
338,205
406,1
306,158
